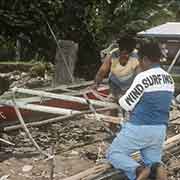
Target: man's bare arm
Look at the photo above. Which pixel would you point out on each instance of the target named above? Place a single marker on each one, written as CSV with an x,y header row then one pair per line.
x,y
103,70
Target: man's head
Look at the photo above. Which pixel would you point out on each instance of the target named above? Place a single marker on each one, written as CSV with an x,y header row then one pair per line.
x,y
149,53
126,46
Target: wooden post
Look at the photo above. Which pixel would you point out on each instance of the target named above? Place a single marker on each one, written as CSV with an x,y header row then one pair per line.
x,y
65,59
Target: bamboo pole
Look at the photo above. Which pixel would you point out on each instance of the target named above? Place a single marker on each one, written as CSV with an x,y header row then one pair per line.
x,y
92,108
28,133
173,62
47,109
7,142
40,123
42,108
90,173
52,163
56,119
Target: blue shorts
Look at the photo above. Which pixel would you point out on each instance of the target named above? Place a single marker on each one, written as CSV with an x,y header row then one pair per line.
x,y
147,139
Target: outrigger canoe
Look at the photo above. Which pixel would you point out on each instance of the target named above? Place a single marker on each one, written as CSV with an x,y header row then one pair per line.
x,y
71,100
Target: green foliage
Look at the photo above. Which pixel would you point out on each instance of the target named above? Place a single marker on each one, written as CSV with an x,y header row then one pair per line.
x,y
38,70
91,23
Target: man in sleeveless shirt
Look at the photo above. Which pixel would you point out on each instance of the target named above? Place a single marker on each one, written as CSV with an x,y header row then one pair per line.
x,y
120,65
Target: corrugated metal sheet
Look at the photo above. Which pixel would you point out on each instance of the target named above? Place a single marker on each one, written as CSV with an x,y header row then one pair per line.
x,y
167,30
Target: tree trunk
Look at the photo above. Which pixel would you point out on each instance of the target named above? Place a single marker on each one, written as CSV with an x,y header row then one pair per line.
x,y
65,60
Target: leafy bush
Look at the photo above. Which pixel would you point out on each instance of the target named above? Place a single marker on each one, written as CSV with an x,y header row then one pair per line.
x,y
40,68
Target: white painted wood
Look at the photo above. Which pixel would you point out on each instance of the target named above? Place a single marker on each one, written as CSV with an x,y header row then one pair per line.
x,y
62,97
41,108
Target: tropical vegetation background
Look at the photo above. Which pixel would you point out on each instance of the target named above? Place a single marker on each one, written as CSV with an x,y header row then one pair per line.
x,y
93,24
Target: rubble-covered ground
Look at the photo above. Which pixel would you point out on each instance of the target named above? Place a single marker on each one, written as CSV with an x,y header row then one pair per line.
x,y
32,78
25,79
78,144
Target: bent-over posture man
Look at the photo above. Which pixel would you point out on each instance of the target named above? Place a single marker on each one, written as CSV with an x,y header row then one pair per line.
x,y
148,99
120,66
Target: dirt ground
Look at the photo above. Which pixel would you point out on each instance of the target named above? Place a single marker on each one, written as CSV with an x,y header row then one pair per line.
x,y
78,144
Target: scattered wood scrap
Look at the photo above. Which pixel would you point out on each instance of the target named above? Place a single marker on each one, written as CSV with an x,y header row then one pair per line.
x,y
92,172
69,137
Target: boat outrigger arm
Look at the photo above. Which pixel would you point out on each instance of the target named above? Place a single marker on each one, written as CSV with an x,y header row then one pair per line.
x,y
53,110
16,104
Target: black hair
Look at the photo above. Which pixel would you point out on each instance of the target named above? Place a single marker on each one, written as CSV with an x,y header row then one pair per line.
x,y
150,48
127,43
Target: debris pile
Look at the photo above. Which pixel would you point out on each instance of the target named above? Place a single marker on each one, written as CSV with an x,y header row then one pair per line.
x,y
37,75
78,145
